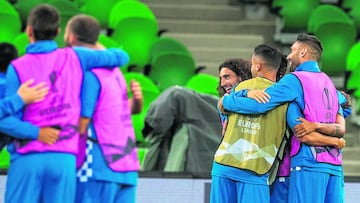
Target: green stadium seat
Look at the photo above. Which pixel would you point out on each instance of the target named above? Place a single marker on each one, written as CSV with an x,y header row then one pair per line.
x,y
24,7
4,159
294,13
138,121
353,66
171,63
150,93
98,9
357,96
149,89
353,8
80,3
124,9
338,34
10,22
204,83
107,42
67,10
134,27
21,42
353,59
325,14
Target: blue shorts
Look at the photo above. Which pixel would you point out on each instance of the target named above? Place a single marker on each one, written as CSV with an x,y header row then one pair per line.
x,y
231,191
104,191
279,190
41,177
315,187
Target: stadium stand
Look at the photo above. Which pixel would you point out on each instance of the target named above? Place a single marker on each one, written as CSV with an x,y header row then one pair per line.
x,y
197,82
135,28
171,63
10,22
150,93
211,30
337,32
352,7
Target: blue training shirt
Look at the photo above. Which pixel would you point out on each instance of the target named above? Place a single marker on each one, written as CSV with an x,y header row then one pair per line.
x,y
288,89
13,125
11,104
90,94
236,173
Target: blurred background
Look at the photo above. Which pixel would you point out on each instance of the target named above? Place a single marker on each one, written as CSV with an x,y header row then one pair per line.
x,y
182,43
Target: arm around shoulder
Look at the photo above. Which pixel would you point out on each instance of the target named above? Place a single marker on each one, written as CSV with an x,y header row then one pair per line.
x,y
317,139
10,105
108,58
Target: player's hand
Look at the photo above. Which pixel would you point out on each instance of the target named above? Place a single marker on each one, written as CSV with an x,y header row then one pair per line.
x,y
48,135
137,100
136,90
341,143
348,102
220,105
305,127
259,95
32,94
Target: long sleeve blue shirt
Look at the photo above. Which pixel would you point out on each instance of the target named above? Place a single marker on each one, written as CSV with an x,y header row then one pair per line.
x,y
288,89
89,96
2,85
10,104
8,124
87,57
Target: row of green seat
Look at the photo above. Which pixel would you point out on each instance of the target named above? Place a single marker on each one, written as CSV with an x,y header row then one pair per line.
x,y
135,29
352,60
334,27
337,26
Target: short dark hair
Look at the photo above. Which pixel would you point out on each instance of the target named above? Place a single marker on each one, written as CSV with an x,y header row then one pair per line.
x,y
282,68
8,52
241,67
85,27
44,20
273,58
313,42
